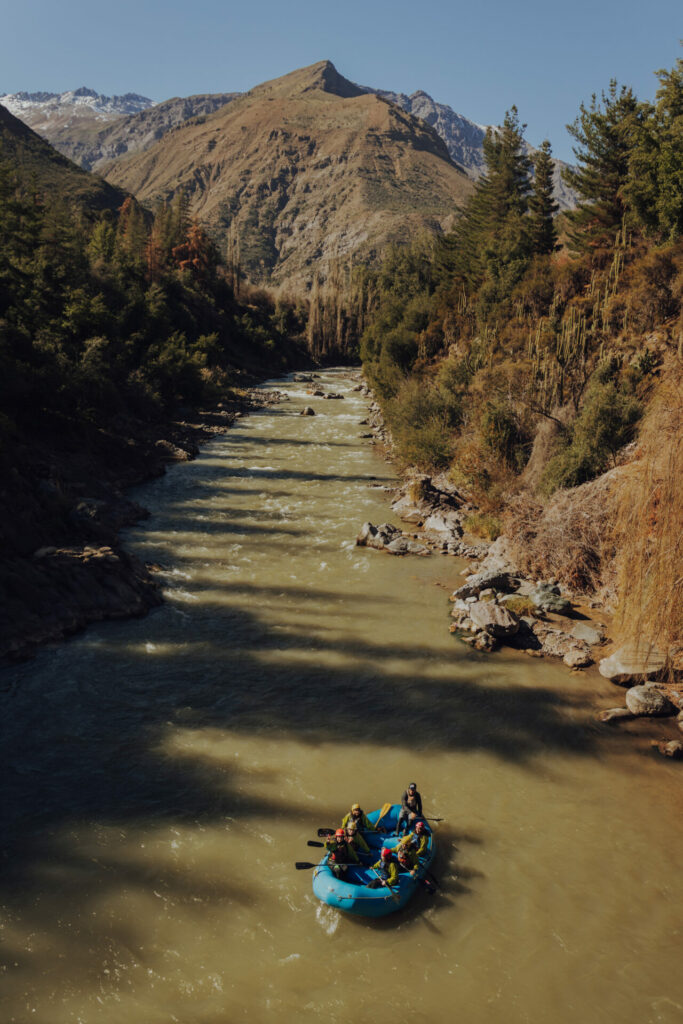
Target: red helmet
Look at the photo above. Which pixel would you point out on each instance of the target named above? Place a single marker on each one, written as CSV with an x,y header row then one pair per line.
x,y
386,853
420,827
340,834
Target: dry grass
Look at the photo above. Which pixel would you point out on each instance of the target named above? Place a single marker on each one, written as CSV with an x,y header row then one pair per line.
x,y
649,526
571,537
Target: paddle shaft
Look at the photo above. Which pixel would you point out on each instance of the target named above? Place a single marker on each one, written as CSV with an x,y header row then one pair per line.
x,y
386,886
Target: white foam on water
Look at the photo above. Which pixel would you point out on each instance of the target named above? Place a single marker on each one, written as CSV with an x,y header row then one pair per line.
x,y
180,595
328,918
290,958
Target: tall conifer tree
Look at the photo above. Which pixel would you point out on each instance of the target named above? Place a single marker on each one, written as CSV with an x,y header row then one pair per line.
x,y
542,205
604,133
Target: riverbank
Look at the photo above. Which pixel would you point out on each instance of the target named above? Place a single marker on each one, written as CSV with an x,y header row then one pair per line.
x,y
62,507
499,604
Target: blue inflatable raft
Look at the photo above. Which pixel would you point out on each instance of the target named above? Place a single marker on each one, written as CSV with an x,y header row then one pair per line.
x,y
352,894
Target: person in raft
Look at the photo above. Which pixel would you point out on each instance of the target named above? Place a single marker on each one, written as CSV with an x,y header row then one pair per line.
x,y
411,809
387,870
417,841
341,853
407,859
355,839
360,819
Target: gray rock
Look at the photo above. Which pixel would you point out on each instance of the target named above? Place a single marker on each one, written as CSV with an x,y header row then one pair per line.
x,y
614,714
577,657
403,546
481,641
389,538
482,581
547,597
648,700
307,411
588,632
407,510
558,644
632,662
499,558
443,525
493,619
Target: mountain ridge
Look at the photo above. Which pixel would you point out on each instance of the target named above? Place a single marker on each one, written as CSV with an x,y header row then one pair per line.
x,y
137,131
303,171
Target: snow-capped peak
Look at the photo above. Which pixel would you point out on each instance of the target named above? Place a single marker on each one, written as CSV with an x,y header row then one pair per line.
x,y
82,101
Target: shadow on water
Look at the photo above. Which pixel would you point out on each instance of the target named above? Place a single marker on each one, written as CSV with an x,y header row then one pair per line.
x,y
83,747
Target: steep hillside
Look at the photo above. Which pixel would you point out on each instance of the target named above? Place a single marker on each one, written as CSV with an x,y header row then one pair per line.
x,y
303,171
465,138
36,161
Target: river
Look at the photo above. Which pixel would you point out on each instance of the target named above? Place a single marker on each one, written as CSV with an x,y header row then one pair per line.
x,y
162,775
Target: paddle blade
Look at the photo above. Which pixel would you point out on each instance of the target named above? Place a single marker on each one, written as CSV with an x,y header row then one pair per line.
x,y
301,865
325,831
385,810
312,842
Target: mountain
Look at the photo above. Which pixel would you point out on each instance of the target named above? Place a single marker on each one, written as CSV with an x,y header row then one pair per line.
x,y
303,171
44,111
55,176
465,138
92,143
92,129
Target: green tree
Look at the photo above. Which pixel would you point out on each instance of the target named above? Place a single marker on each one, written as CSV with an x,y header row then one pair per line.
x,y
542,205
604,132
654,188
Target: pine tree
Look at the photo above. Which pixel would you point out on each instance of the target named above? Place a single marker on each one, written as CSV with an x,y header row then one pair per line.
x,y
490,239
604,132
654,189
542,205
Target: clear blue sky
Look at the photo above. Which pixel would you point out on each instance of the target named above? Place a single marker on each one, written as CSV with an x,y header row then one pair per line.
x,y
480,58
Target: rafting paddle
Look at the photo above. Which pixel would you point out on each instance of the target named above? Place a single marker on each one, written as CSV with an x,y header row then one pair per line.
x,y
385,810
302,865
326,832
386,884
312,842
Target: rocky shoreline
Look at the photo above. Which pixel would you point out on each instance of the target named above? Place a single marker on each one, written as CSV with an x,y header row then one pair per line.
x,y
62,566
497,605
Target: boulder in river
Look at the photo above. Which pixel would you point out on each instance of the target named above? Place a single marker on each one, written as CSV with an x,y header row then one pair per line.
x,y
493,619
482,581
631,663
648,700
307,411
389,538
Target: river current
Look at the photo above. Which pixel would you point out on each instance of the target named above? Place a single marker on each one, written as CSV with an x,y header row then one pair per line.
x,y
162,775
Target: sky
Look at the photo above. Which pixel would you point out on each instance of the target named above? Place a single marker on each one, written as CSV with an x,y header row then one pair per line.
x,y
477,58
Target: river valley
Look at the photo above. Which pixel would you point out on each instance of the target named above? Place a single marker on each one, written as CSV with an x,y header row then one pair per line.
x,y
161,776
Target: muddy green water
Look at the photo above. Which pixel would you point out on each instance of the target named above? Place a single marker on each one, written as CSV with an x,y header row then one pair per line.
x,y
162,775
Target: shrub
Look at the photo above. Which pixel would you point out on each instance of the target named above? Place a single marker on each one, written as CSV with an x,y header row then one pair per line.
x,y
605,424
520,605
482,524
